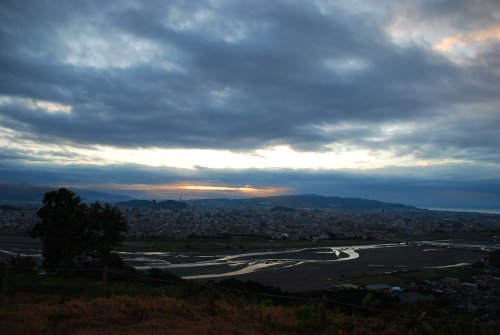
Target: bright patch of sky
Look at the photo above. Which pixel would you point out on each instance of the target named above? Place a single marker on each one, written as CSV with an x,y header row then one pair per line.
x,y
273,157
49,107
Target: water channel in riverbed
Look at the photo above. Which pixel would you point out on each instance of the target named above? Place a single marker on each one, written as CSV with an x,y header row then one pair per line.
x,y
302,263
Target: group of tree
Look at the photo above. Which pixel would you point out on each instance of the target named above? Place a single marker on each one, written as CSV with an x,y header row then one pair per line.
x,y
75,234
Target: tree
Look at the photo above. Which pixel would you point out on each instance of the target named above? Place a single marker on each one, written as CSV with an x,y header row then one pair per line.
x,y
105,227
58,228
74,234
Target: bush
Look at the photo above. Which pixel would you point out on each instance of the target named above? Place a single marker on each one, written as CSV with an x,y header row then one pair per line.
x,y
20,264
159,277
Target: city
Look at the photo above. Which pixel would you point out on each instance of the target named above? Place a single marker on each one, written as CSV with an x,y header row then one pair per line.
x,y
201,221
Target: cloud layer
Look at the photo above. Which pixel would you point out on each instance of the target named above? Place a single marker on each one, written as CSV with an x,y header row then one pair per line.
x,y
243,76
412,79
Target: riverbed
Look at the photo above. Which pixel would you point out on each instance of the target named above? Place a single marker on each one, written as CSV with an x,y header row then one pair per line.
x,y
300,268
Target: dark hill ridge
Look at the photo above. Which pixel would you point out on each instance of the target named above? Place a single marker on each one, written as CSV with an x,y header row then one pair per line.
x,y
315,201
311,201
22,192
30,193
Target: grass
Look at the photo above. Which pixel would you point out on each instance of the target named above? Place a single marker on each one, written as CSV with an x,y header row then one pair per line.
x,y
18,239
461,272
142,314
375,279
125,284
200,245
60,305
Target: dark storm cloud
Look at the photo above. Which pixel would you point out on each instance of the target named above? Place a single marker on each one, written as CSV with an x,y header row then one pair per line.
x,y
252,74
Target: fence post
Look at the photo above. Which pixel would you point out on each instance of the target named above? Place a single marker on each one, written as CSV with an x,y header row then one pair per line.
x,y
105,281
5,279
321,312
212,306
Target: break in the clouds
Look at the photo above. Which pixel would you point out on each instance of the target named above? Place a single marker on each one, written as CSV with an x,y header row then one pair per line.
x,y
446,185
250,84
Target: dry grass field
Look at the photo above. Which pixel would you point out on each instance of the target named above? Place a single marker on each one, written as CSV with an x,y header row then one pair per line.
x,y
53,314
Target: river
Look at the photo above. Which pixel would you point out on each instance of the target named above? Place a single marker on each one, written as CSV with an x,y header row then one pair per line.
x,y
303,266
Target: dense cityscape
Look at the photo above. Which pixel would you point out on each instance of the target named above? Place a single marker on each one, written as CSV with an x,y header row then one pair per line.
x,y
277,223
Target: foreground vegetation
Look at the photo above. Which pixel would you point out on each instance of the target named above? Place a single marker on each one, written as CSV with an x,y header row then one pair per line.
x,y
122,314
126,301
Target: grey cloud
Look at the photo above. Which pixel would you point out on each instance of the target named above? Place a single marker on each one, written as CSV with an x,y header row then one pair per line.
x,y
461,13
278,87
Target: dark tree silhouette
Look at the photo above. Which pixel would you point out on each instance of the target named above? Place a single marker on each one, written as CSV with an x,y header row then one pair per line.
x,y
105,227
74,234
60,227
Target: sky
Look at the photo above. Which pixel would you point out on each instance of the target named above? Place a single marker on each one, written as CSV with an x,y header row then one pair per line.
x,y
391,100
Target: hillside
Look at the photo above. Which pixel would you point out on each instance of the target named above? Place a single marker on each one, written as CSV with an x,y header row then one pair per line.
x,y
311,201
30,193
22,192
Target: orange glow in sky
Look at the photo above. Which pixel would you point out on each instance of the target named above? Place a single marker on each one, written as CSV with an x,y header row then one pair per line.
x,y
466,39
246,188
196,189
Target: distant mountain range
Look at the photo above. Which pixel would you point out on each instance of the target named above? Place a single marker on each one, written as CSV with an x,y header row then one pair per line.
x,y
30,193
311,201
277,203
